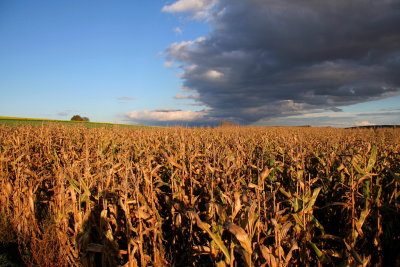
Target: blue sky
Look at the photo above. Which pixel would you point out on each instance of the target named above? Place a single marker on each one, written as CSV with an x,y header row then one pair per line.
x,y
168,62
79,56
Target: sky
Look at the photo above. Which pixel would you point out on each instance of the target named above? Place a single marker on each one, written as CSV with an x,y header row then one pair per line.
x,y
197,62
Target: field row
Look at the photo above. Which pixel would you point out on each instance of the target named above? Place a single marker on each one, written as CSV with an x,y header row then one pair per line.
x,y
76,196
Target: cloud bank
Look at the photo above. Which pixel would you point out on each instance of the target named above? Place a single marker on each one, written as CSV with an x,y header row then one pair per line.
x,y
199,8
275,58
338,119
168,116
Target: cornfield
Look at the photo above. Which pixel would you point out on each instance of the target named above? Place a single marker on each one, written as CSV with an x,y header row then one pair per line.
x,y
232,196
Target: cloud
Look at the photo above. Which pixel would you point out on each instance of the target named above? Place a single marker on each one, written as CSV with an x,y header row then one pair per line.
x,y
168,64
199,8
381,113
167,110
290,57
336,119
63,113
182,96
364,123
335,109
178,30
213,75
125,98
165,115
66,112
184,49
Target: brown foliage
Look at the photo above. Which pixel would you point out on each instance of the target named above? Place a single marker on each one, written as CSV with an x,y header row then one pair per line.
x,y
79,118
74,196
227,124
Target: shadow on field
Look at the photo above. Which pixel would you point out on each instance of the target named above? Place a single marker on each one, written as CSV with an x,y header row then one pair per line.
x,y
10,256
102,239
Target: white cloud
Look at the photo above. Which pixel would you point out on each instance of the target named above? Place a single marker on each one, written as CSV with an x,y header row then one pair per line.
x,y
182,96
178,30
163,115
364,123
168,64
186,89
185,44
193,6
213,75
191,68
183,49
290,106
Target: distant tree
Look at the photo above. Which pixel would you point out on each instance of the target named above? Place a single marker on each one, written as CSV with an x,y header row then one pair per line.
x,y
79,118
76,118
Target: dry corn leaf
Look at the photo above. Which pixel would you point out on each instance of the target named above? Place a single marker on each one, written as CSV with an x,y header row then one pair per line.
x,y
217,239
268,256
238,205
241,236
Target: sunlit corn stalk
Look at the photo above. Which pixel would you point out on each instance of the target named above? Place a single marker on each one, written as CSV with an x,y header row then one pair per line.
x,y
228,196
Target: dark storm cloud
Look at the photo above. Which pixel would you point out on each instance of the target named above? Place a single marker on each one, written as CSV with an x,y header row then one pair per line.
x,y
268,58
335,109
